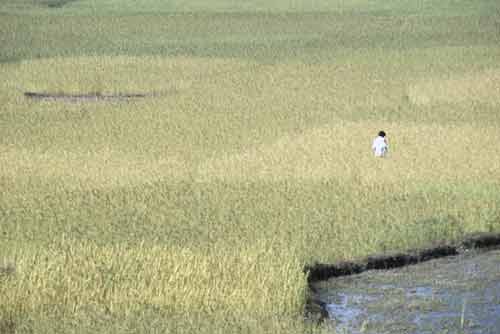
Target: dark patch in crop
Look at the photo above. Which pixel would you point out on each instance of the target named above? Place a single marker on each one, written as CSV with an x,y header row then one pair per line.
x,y
83,97
7,271
9,59
56,3
7,325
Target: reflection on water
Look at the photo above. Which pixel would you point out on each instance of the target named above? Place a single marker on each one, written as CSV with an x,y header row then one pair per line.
x,y
452,295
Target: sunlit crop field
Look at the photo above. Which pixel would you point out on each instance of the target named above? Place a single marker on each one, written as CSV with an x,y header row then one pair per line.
x,y
195,207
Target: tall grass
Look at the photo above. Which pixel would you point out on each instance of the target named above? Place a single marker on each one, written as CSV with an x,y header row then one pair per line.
x,y
407,7
74,279
196,208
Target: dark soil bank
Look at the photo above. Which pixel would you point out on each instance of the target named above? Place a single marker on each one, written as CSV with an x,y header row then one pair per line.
x,y
320,272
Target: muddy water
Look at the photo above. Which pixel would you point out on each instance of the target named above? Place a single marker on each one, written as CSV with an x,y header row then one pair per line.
x,y
459,294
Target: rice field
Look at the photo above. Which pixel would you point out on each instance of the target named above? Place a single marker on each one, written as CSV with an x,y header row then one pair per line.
x,y
195,208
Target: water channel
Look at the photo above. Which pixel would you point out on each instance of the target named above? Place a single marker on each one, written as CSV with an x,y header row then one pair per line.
x,y
458,294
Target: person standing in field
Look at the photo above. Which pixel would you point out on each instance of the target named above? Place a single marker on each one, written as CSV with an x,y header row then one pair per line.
x,y
380,145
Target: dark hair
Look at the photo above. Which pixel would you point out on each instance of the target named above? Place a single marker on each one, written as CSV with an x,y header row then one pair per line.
x,y
381,133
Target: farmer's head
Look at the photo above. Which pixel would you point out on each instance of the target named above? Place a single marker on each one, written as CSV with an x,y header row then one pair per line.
x,y
381,133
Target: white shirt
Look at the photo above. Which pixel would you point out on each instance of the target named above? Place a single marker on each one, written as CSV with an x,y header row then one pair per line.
x,y
380,146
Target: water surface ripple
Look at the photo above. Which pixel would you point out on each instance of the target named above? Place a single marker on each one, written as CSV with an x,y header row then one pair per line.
x,y
459,294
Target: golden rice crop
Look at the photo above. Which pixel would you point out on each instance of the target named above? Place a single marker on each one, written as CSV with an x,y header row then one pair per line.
x,y
196,207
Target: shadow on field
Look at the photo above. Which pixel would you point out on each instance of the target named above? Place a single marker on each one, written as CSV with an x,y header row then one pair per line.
x,y
316,309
